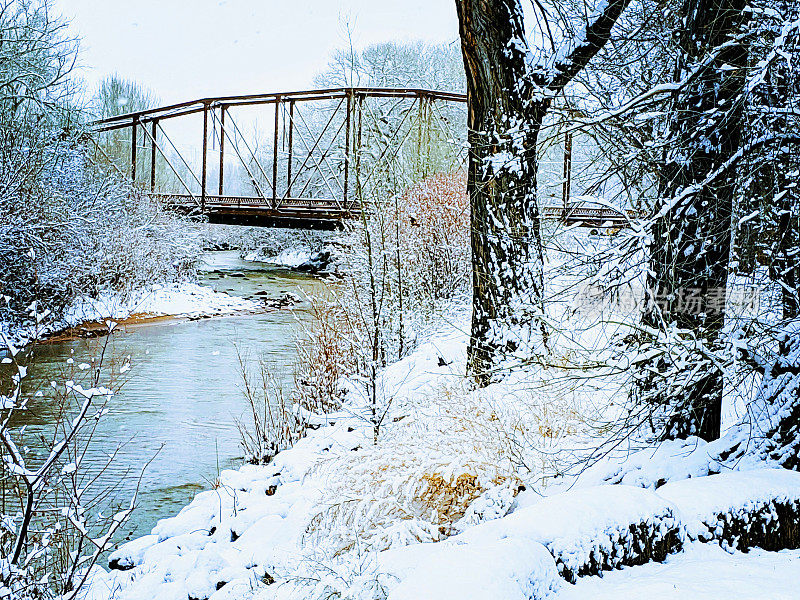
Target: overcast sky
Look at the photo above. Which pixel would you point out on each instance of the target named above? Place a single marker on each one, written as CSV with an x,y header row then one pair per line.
x,y
185,49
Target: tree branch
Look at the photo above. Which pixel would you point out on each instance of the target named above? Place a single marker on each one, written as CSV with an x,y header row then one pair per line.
x,y
595,37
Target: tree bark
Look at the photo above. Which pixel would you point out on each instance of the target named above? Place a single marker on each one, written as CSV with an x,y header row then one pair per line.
x,y
691,234
507,99
507,258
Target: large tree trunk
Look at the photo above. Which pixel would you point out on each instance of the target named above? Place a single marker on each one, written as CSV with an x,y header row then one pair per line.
x,y
508,99
506,246
691,235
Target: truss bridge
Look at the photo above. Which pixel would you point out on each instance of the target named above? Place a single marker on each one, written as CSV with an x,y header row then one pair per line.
x,y
303,159
291,159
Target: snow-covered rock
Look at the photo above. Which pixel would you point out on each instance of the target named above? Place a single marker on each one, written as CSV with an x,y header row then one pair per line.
x,y
701,572
508,569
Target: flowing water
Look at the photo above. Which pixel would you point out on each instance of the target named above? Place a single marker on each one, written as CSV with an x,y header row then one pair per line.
x,y
179,403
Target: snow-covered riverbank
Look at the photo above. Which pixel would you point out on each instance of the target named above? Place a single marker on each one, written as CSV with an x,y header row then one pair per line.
x,y
177,299
439,508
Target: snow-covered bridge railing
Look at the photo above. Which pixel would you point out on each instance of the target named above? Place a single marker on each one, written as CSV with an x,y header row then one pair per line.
x,y
305,213
589,215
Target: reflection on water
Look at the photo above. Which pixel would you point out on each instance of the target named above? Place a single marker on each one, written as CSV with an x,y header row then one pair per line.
x,y
181,397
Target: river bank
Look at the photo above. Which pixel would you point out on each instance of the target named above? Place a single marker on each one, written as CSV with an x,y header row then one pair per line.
x,y
177,378
436,508
88,316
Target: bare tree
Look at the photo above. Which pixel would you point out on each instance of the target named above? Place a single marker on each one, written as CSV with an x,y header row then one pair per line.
x,y
54,529
691,232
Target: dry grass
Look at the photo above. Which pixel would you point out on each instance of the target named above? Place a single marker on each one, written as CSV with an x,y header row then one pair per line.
x,y
273,425
422,476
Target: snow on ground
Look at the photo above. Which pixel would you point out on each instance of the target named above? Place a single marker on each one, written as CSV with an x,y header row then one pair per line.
x,y
465,494
176,299
436,509
289,258
180,299
700,572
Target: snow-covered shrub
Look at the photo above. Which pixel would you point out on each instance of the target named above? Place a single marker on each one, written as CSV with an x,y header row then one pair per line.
x,y
327,351
67,227
322,577
434,220
399,496
85,233
264,244
403,264
740,510
273,425
593,529
55,523
424,479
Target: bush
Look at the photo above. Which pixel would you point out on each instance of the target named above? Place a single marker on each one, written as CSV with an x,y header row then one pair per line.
x,y
407,262
741,510
594,529
55,522
327,351
67,227
80,231
273,425
424,480
434,219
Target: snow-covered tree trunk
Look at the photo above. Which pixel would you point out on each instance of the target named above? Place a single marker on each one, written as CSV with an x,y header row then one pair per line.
x,y
775,119
508,98
691,233
776,106
503,127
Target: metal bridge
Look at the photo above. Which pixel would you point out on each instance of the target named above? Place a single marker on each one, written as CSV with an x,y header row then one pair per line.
x,y
310,159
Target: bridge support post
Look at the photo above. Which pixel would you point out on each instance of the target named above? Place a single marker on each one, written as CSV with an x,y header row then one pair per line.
x,y
291,157
153,130
134,129
205,160
278,105
357,149
347,147
567,180
221,150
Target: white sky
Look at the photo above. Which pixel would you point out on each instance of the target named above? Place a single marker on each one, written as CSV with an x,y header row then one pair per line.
x,y
186,49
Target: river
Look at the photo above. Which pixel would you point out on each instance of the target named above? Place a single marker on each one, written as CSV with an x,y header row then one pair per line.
x,y
179,403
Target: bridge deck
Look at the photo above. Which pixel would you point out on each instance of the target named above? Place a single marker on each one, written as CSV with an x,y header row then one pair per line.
x,y
323,213
303,213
